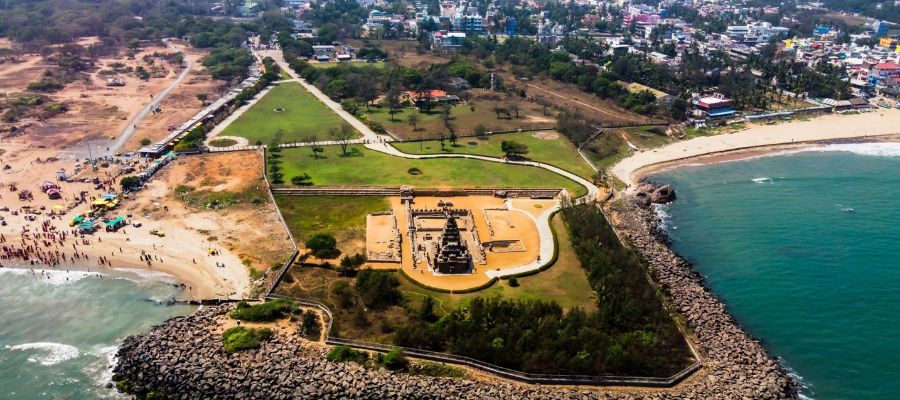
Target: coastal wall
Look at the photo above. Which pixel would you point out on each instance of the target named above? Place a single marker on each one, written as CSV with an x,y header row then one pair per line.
x,y
184,357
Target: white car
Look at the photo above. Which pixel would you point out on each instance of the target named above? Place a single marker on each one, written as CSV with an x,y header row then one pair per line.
x,y
136,224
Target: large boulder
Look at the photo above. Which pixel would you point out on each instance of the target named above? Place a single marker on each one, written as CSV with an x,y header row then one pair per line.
x,y
663,194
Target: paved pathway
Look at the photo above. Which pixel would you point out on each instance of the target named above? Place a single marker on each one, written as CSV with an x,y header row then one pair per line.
x,y
380,143
546,239
126,134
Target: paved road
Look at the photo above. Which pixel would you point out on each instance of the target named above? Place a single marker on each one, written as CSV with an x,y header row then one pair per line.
x,y
126,134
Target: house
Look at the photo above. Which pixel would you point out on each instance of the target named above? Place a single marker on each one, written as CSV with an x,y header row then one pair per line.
x,y
713,106
434,96
448,41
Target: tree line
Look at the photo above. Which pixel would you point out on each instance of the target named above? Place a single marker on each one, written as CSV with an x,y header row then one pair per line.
x,y
629,333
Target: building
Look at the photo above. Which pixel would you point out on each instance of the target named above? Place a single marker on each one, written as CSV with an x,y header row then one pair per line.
x,y
448,41
471,24
452,256
714,106
433,96
758,32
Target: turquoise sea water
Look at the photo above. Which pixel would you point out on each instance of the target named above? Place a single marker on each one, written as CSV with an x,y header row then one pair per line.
x,y
805,250
58,335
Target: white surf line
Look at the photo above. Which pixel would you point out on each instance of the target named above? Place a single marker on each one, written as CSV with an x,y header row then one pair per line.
x,y
130,129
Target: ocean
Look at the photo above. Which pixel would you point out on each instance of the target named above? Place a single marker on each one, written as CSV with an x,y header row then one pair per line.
x,y
59,330
803,248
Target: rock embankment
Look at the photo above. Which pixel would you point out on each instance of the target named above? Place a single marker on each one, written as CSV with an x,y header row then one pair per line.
x,y
183,358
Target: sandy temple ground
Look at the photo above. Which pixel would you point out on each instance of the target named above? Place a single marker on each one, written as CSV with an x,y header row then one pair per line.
x,y
509,220
760,138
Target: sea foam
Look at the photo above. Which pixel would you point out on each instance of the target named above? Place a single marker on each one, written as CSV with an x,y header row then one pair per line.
x,y
878,149
53,277
48,353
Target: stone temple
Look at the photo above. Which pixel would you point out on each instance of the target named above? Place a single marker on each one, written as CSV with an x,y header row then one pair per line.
x,y
452,256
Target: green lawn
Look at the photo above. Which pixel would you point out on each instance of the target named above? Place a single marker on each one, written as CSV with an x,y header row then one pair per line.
x,y
370,168
284,74
343,217
559,151
565,283
462,118
303,116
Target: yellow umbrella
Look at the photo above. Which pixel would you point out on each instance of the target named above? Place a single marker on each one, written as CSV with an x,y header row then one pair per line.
x,y
58,207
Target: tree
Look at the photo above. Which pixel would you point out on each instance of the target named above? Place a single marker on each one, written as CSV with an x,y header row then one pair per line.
x,y
499,110
480,130
413,120
445,114
302,180
145,142
322,245
202,97
378,289
392,99
350,106
513,149
130,182
514,107
342,136
133,44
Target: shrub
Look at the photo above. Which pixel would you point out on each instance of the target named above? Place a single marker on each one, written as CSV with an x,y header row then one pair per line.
x,y
514,282
378,289
346,354
323,246
263,312
414,171
394,360
310,327
45,85
240,338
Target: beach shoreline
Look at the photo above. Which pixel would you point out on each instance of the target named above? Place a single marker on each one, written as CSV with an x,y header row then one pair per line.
x,y
760,140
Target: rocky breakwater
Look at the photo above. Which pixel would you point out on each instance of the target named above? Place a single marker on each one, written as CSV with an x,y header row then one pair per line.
x,y
736,366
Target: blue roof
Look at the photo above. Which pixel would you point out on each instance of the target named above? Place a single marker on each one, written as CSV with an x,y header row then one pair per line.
x,y
721,113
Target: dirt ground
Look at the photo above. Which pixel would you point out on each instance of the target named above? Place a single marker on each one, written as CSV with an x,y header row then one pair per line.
x,y
566,96
404,52
181,104
253,232
512,225
96,111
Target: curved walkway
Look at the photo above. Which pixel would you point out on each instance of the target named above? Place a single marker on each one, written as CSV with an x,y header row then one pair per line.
x,y
545,233
129,130
381,144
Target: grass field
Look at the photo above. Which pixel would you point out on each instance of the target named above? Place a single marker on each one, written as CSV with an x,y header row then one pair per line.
x,y
462,118
565,283
557,151
343,217
303,116
370,168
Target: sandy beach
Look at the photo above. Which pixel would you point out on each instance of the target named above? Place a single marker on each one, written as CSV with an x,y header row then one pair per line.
x,y
759,139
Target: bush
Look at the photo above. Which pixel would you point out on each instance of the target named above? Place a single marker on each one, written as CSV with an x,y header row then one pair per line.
x,y
323,246
310,327
45,85
378,289
130,182
414,171
145,142
394,360
263,312
240,338
346,354
514,282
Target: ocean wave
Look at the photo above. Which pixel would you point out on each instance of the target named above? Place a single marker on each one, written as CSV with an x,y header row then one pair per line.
x,y
49,353
53,277
876,149
145,275
662,211
761,180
